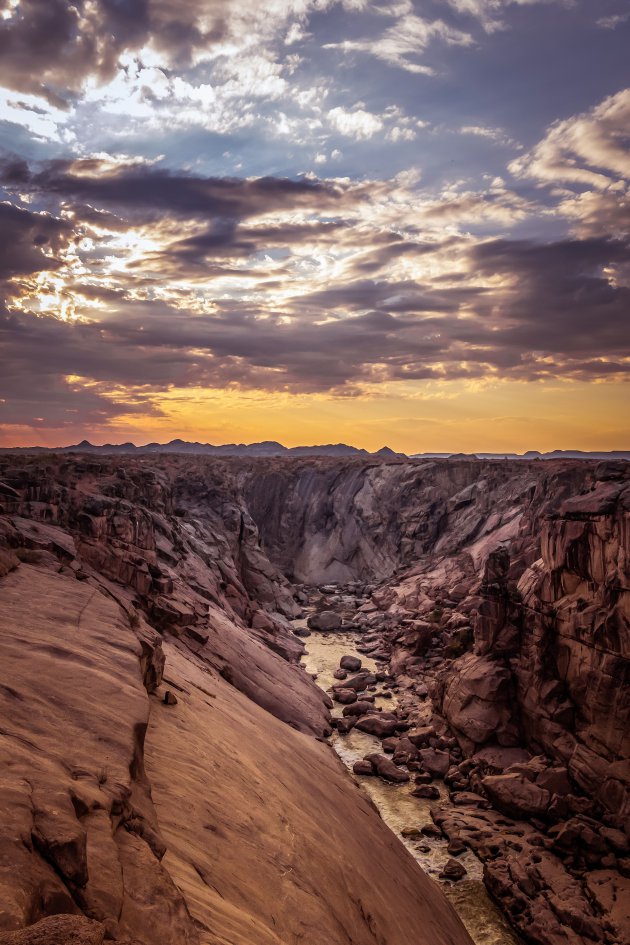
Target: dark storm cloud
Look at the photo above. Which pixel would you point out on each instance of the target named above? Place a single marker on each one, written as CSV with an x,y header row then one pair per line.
x,y
152,191
561,299
29,241
49,47
396,297
227,239
558,316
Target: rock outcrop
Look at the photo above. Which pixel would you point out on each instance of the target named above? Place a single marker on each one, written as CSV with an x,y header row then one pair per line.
x,y
497,593
218,815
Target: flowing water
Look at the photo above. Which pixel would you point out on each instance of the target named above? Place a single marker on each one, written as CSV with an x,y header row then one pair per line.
x,y
484,922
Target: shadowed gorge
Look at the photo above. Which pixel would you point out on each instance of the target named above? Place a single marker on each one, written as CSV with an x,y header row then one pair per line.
x,y
165,768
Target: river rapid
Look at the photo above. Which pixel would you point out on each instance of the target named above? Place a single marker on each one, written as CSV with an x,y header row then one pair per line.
x,y
482,918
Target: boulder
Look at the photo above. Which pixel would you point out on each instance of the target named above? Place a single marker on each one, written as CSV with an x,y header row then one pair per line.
x,y
386,769
420,738
351,663
345,725
478,700
359,708
344,696
363,767
453,870
429,791
361,682
456,846
376,725
516,795
325,621
435,762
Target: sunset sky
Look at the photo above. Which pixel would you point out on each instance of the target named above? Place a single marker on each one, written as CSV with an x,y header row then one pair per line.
x,y
370,221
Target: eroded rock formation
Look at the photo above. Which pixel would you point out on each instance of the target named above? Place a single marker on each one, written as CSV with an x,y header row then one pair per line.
x,y
495,593
217,816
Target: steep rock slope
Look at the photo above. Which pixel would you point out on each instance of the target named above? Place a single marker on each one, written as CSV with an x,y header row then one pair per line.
x,y
214,816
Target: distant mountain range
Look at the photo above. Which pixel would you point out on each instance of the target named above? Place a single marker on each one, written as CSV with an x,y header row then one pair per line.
x,y
273,448
266,448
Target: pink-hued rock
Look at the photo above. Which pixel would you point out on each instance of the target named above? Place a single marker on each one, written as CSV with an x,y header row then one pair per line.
x,y
517,795
386,769
496,591
173,823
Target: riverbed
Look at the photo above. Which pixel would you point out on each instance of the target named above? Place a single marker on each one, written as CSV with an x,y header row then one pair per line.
x,y
399,809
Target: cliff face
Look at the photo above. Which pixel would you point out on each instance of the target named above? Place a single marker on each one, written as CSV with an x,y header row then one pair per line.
x,y
533,558
161,776
573,661
499,597
326,521
497,591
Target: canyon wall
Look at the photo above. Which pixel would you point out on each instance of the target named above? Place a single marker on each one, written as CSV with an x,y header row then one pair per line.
x,y
532,558
164,772
499,589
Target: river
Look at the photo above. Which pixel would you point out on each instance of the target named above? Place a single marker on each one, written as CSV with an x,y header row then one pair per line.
x,y
482,918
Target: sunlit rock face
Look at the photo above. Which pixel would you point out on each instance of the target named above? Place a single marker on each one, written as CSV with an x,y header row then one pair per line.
x,y
495,591
161,781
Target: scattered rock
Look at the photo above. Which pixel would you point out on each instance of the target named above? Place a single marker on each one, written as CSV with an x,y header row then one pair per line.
x,y
516,795
363,767
325,621
376,725
429,791
344,696
456,846
453,870
351,663
358,709
386,769
435,762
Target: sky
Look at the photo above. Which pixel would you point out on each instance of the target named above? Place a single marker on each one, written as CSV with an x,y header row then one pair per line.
x,y
401,222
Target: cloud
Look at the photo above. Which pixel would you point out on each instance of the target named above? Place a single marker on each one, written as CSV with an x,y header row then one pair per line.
x,y
612,22
402,44
358,123
51,47
590,149
491,12
493,134
30,241
505,308
561,301
588,156
104,183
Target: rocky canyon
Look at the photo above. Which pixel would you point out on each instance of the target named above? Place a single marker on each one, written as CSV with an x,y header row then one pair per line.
x,y
171,770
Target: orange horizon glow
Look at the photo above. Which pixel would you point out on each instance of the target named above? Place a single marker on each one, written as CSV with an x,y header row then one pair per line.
x,y
508,417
